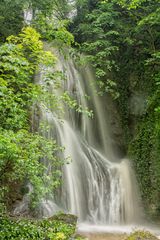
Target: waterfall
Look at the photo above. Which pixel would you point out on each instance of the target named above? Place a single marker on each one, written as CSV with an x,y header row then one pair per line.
x,y
96,186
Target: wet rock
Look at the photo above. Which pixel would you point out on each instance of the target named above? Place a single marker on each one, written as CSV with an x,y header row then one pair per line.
x,y
137,103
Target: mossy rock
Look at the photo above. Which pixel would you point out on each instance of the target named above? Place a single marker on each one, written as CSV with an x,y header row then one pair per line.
x,y
66,218
141,235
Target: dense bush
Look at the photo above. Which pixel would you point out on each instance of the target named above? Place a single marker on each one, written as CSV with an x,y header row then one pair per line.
x,y
21,146
47,229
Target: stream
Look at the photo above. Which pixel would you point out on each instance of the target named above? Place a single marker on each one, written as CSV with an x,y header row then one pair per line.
x,y
116,232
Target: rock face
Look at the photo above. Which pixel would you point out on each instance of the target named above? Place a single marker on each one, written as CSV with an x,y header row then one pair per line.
x,y
137,103
116,130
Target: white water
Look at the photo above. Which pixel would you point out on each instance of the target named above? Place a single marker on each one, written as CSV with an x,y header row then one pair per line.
x,y
96,186
117,230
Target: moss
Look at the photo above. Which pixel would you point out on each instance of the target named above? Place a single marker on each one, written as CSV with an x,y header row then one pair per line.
x,y
141,235
66,218
145,152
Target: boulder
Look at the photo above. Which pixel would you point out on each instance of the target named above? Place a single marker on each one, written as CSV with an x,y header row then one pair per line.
x,y
66,218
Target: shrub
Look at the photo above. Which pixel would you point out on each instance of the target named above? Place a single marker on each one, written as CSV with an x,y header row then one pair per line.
x,y
141,235
46,229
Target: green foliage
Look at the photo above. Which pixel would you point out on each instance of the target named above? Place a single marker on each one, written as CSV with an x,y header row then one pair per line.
x,y
73,104
20,58
141,235
54,30
20,149
11,229
12,13
133,4
141,149
121,40
58,230
37,230
20,155
145,147
98,33
47,7
11,18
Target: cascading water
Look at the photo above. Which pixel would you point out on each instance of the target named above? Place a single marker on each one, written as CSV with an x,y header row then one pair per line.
x,y
96,186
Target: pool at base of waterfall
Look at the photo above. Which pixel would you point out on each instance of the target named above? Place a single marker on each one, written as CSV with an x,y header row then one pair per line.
x,y
114,232
105,236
